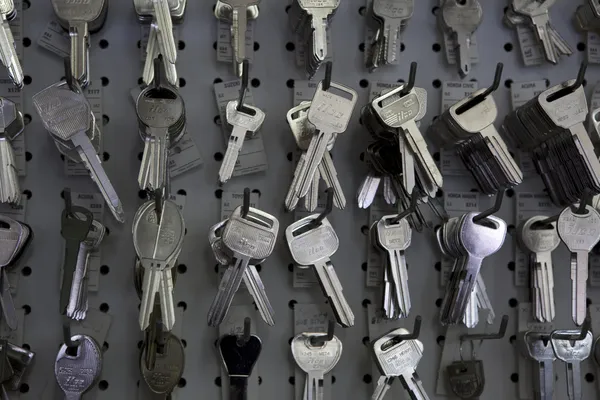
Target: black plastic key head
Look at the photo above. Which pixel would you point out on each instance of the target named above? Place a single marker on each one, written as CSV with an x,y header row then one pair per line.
x,y
238,357
74,228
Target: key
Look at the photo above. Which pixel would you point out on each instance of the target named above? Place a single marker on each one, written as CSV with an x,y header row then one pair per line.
x,y
311,201
314,248
164,24
239,357
242,125
394,238
52,104
154,48
471,316
247,240
330,114
580,233
76,17
77,373
466,378
572,353
12,238
315,360
158,240
463,17
168,368
161,112
11,126
539,348
483,300
239,26
393,13
368,190
318,14
399,358
8,53
541,242
328,172
20,361
538,13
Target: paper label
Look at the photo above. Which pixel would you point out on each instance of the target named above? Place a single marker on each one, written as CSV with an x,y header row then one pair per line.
x,y
377,88
451,47
531,50
593,48
224,47
93,93
374,275
13,211
304,91
529,205
252,157
55,39
311,318
232,199
184,157
456,204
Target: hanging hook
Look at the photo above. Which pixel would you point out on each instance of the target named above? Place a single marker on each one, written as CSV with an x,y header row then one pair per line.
x,y
481,97
497,206
569,89
159,201
157,72
245,337
318,341
68,201
586,199
488,336
328,71
416,331
414,202
315,223
241,106
585,328
67,336
246,203
71,81
412,76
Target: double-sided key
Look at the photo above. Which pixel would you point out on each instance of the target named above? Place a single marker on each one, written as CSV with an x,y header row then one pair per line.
x,y
539,348
239,355
239,26
538,12
243,124
462,17
8,52
312,245
393,13
248,238
158,240
67,116
572,353
316,360
11,241
580,233
11,126
168,366
76,374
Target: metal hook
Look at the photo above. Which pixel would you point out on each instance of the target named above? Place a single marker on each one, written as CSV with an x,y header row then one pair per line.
x,y
567,90
246,204
586,199
412,76
159,201
488,336
414,198
481,97
585,328
71,81
315,223
497,205
68,201
241,107
319,341
328,71
67,337
158,72
416,330
244,338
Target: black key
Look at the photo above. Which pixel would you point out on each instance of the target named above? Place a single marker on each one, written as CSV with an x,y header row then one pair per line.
x,y
239,357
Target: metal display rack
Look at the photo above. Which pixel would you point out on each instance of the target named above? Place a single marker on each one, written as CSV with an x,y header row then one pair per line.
x,y
115,62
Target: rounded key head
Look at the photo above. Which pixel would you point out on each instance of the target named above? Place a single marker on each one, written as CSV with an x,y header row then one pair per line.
x,y
539,240
10,239
476,118
314,245
567,110
465,15
572,350
158,240
331,112
7,6
168,368
159,108
394,356
89,10
316,358
324,4
254,236
394,9
579,231
63,112
395,236
252,123
484,238
76,374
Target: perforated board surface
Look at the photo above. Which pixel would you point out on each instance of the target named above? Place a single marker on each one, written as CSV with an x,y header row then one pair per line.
x,y
273,67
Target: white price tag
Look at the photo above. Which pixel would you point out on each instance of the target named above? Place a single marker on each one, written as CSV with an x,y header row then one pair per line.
x,y
252,157
16,212
531,50
224,48
55,39
96,324
93,94
184,157
529,205
374,275
232,199
304,91
378,88
593,48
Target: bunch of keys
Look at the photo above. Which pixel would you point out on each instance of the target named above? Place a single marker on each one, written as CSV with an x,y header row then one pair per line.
x,y
11,126
9,56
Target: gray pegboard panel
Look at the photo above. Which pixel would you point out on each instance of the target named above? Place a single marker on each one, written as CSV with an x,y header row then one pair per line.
x,y
273,67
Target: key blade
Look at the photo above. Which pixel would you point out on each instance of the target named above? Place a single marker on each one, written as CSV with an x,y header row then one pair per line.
x,y
80,43
257,291
165,29
333,290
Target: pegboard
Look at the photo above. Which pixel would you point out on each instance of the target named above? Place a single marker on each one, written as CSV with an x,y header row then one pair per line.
x,y
115,63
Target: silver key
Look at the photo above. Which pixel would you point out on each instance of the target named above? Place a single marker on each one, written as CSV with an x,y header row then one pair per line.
x,y
393,13
247,240
539,348
58,101
154,48
538,13
368,190
483,299
314,248
8,53
11,126
463,17
318,13
572,352
168,367
239,26
164,24
580,233
328,172
242,125
316,361
11,240
77,374
76,17
311,201
330,114
158,241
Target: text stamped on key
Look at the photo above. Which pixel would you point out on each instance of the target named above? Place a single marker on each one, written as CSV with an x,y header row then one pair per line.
x,y
316,245
405,109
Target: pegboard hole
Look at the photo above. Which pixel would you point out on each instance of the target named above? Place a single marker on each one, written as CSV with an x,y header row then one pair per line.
x,y
217,80
438,266
181,269
218,156
508,83
26,346
26,42
105,119
104,270
182,304
292,304
364,266
438,303
142,194
290,156
292,380
28,156
218,381
103,385
27,80
140,344
367,378
104,307
26,4
362,11
182,82
26,271
140,81
27,119
215,45
181,45
436,47
103,44
512,339
27,309
139,44
105,156
581,46
256,46
258,268
511,266
402,47
182,382
105,81
184,343
513,302
290,83
182,192
589,377
140,156
436,83
362,156
363,83
255,82
291,267
28,193
287,8
435,10
588,302
510,193
260,380
514,377
440,340
333,379
105,346
361,47
508,47
366,340
365,303
24,388
219,193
